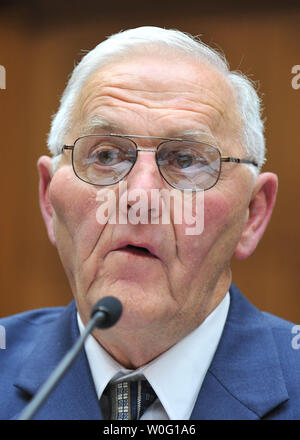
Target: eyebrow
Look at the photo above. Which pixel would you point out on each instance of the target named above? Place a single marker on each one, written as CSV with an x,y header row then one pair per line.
x,y
196,135
98,122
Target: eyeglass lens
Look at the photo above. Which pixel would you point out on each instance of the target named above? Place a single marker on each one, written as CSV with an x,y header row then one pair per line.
x,y
105,160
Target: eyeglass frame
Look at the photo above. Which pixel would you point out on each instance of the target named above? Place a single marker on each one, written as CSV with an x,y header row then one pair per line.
x,y
137,149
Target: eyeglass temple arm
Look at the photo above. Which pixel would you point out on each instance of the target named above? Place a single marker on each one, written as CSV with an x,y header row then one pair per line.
x,y
66,147
234,159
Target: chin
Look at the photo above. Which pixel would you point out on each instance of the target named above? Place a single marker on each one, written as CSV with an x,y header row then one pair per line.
x,y
143,303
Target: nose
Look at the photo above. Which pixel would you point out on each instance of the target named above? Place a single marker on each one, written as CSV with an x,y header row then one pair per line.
x,y
145,174
142,179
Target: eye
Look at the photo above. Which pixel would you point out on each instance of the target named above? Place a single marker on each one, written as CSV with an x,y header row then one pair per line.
x,y
180,159
106,155
184,160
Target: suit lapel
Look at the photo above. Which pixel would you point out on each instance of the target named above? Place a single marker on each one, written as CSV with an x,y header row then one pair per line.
x,y
245,380
75,396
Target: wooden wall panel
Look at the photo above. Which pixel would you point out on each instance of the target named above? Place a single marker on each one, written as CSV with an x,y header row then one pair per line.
x,y
39,54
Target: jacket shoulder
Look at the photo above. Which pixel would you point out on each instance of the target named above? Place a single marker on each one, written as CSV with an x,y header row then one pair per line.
x,y
287,340
286,334
35,339
276,322
32,317
19,333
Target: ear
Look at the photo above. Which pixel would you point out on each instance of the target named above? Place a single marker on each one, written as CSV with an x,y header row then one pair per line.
x,y
45,172
260,211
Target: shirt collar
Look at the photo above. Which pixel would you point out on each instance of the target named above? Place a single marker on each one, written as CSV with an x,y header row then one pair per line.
x,y
177,374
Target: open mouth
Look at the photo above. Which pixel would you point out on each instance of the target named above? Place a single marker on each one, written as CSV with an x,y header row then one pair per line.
x,y
137,250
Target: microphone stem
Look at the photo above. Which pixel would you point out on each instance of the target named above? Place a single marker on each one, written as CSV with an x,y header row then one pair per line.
x,y
61,369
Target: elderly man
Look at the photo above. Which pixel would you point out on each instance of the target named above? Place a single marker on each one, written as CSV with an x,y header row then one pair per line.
x,y
155,110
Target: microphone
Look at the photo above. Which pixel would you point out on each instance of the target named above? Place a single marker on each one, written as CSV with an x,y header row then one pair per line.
x,y
105,314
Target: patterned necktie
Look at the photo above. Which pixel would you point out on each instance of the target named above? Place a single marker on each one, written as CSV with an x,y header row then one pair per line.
x,y
129,400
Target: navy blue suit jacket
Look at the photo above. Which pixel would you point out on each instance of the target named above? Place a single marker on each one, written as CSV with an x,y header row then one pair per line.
x,y
255,372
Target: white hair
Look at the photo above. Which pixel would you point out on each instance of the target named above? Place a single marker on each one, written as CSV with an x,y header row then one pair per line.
x,y
122,43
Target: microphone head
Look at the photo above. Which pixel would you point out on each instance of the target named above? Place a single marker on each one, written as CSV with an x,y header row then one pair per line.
x,y
111,309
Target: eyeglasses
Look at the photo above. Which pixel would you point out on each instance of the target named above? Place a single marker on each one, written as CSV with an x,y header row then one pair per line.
x,y
184,164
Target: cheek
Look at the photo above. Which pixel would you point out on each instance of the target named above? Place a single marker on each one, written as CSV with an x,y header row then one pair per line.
x,y
74,204
216,214
225,216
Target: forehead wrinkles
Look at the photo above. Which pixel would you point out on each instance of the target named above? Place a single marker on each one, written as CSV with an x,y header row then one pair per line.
x,y
198,89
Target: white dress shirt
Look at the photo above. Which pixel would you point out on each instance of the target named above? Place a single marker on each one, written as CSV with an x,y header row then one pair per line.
x,y
176,375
